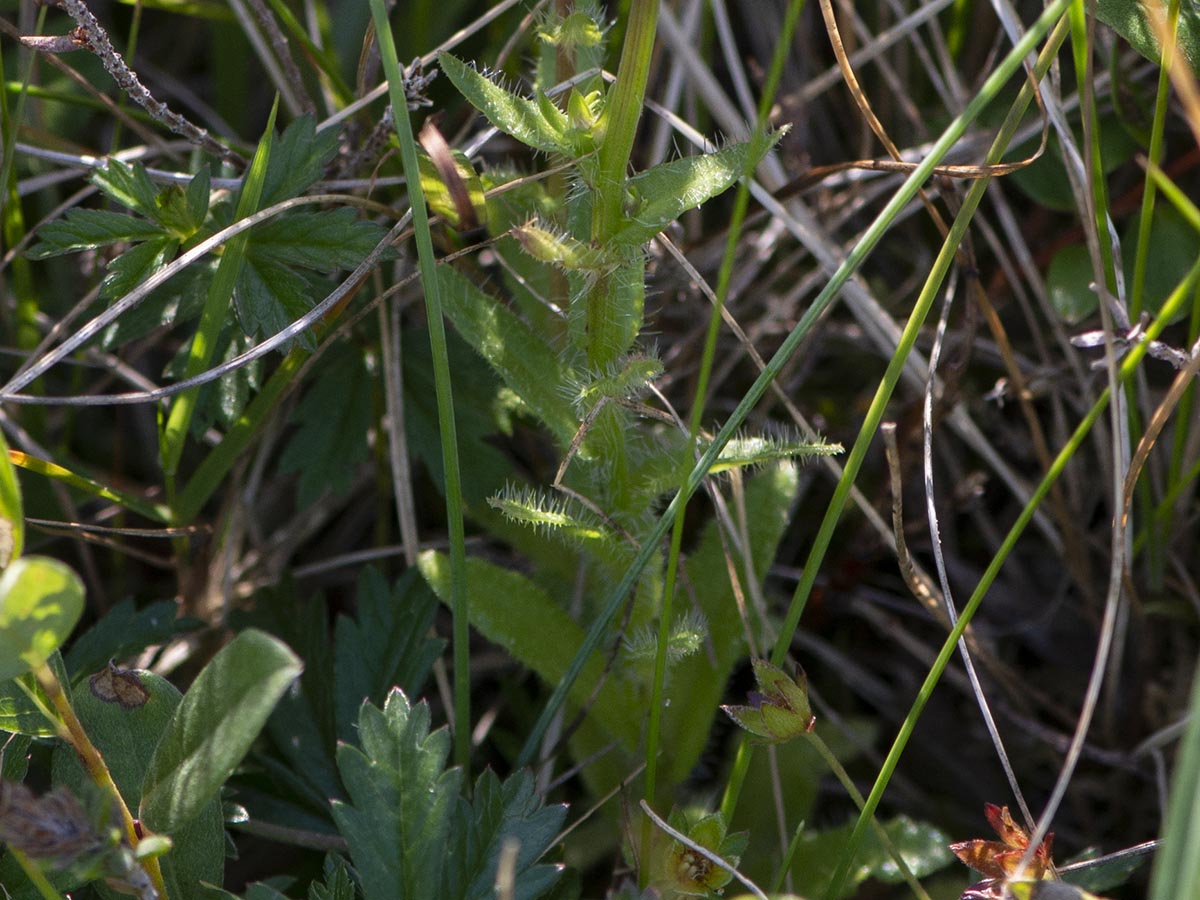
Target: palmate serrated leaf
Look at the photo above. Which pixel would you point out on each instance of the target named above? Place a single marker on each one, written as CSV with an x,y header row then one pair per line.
x,y
402,802
324,241
666,191
135,265
337,883
514,115
298,158
128,185
498,813
334,416
385,645
88,229
268,297
212,729
179,300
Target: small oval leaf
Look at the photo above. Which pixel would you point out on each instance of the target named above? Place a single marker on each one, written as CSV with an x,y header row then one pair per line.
x,y
41,599
214,726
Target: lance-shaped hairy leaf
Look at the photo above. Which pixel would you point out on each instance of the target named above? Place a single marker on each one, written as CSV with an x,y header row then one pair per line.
x,y
497,814
523,119
665,192
213,727
397,823
758,450
525,362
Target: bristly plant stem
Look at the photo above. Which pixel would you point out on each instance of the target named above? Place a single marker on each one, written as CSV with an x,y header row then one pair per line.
x,y
622,109
733,238
441,378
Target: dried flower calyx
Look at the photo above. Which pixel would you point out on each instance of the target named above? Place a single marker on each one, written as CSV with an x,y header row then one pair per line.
x,y
779,710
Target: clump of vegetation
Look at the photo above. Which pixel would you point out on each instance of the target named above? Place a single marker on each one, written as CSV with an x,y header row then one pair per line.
x,y
476,364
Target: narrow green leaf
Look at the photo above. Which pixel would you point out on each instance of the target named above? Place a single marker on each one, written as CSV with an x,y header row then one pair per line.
x,y
398,820
512,114
41,600
12,512
1177,866
665,192
212,729
88,229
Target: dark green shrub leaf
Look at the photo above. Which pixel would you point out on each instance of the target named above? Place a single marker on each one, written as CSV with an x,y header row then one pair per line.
x,y
498,813
1128,19
385,645
334,416
402,802
212,729
1068,283
88,229
124,631
41,600
126,727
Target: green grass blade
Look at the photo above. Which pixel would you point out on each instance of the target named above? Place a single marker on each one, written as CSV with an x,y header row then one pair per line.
x,y
1177,865
441,375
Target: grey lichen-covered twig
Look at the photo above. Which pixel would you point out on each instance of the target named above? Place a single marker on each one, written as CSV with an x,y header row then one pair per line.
x,y
90,35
